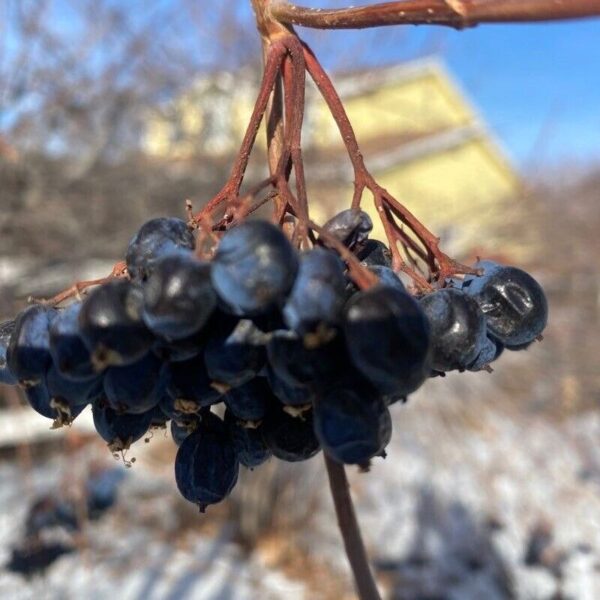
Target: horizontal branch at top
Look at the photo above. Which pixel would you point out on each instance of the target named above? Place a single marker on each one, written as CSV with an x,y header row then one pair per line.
x,y
453,13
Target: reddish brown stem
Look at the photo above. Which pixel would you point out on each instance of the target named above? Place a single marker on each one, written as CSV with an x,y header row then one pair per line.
x,y
398,263
294,77
243,205
231,189
363,278
247,211
408,242
329,93
362,178
118,270
355,548
453,13
274,127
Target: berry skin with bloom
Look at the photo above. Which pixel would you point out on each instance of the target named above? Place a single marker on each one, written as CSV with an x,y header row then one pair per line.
x,y
254,268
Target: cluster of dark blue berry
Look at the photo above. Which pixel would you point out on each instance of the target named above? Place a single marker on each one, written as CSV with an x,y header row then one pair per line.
x,y
301,357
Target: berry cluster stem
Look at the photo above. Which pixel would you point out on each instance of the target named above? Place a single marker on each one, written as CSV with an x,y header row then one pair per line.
x,y
281,102
355,548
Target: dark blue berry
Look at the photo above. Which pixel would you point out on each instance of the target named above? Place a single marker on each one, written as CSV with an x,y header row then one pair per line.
x,y
73,392
69,352
248,441
6,330
138,387
189,382
513,302
206,465
318,295
119,431
352,423
374,253
387,335
58,410
297,364
155,239
183,427
351,227
290,438
458,329
290,394
387,276
491,351
178,297
249,401
254,268
28,354
237,358
111,325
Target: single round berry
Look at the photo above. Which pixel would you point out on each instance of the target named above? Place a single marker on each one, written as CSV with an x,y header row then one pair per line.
x,y
289,394
254,268
28,353
138,387
119,431
206,465
352,423
513,302
374,253
61,412
69,352
155,239
178,296
290,438
111,325
491,351
73,392
297,364
318,295
351,227
387,276
248,402
387,336
248,441
238,357
458,329
189,383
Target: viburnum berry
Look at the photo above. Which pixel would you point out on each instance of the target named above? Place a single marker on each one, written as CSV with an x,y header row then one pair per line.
x,y
303,355
513,302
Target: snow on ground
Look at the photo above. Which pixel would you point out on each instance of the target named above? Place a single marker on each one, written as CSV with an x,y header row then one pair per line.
x,y
132,552
475,501
507,506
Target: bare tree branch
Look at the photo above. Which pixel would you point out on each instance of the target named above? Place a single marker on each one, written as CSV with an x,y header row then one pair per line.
x,y
453,13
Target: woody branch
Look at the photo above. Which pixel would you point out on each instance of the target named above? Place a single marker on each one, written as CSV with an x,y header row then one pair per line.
x,y
453,13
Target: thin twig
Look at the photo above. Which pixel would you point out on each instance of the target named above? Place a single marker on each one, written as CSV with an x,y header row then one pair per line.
x,y
231,189
274,127
360,274
294,78
453,13
119,270
363,178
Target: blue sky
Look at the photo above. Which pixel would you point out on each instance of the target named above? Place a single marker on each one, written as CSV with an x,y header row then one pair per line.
x,y
537,86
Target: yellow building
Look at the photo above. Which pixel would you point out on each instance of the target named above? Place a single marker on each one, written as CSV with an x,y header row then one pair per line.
x,y
419,134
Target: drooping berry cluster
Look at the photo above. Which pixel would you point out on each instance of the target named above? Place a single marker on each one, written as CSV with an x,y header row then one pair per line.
x,y
301,358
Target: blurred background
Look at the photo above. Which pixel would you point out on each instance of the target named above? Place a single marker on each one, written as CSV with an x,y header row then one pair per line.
x,y
112,113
